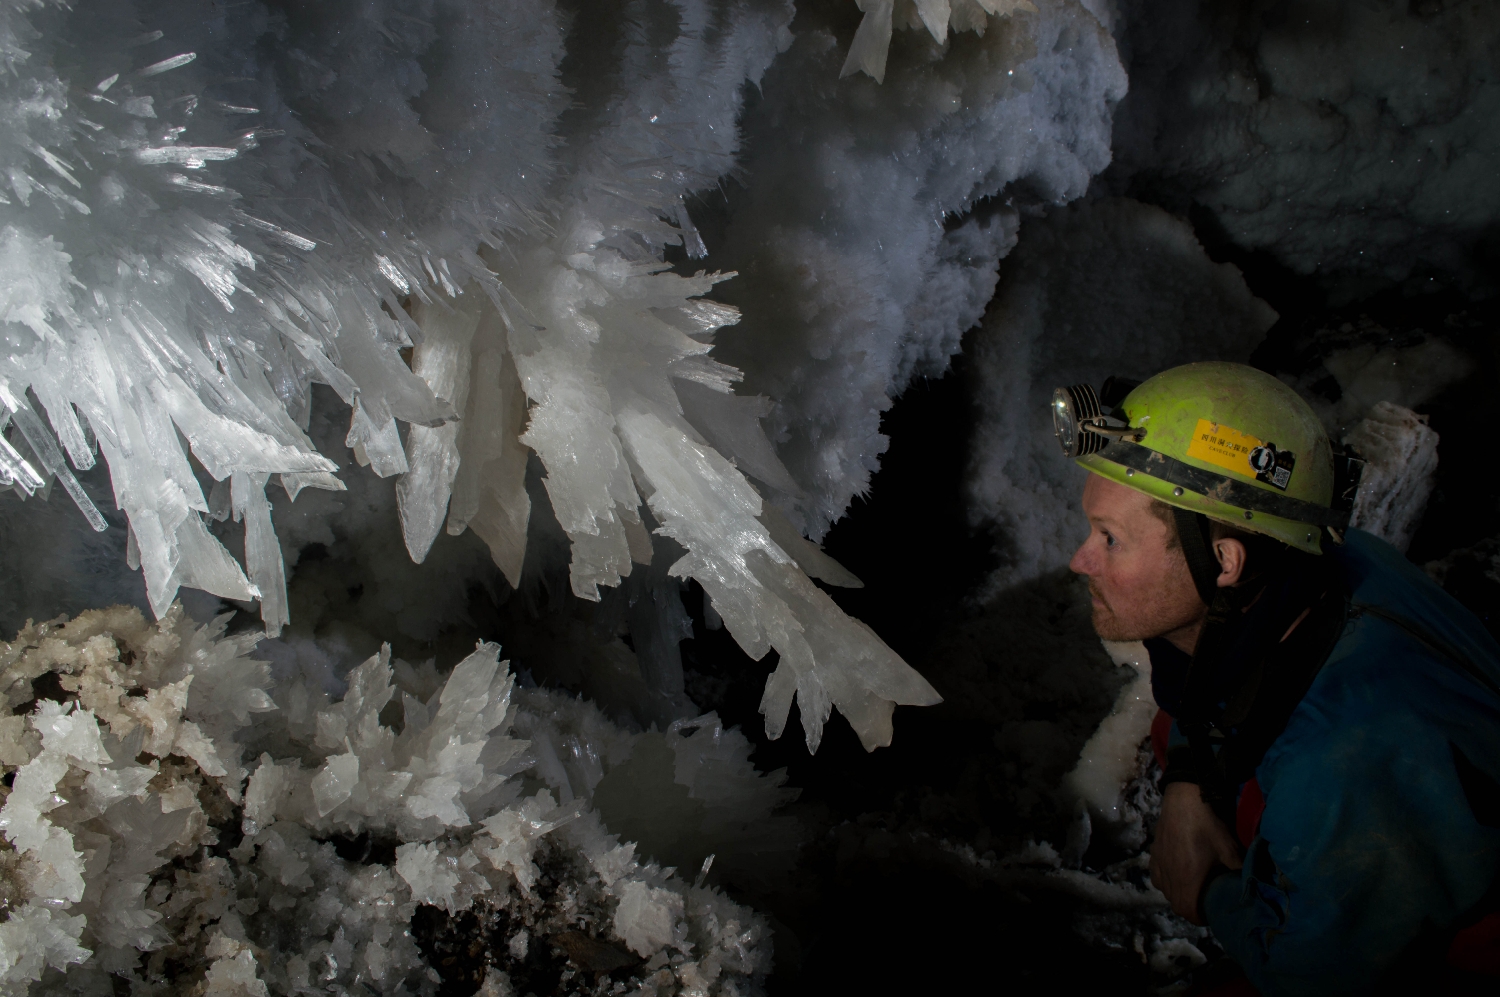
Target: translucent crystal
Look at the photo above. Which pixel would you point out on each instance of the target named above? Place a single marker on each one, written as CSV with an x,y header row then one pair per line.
x,y
647,917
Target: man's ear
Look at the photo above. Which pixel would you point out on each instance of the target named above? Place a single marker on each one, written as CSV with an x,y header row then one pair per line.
x,y
1232,556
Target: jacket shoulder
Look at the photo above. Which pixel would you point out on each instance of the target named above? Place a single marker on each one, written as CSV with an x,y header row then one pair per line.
x,y
1413,673
1383,583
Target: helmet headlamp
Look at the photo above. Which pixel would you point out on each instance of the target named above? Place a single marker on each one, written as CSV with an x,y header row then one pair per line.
x,y
1079,421
1072,407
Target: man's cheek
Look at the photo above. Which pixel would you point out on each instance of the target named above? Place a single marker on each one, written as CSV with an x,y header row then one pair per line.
x,y
1111,610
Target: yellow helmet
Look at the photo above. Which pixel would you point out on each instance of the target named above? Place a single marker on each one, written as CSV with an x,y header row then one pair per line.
x,y
1221,439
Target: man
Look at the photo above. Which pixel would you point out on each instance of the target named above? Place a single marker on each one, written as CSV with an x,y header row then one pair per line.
x,y
1331,802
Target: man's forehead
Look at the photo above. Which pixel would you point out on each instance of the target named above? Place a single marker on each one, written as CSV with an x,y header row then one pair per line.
x,y
1109,501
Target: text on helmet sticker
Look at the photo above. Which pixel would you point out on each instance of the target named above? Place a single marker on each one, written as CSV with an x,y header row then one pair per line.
x,y
1227,447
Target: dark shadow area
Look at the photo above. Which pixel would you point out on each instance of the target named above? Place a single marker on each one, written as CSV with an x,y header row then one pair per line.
x,y
881,898
52,562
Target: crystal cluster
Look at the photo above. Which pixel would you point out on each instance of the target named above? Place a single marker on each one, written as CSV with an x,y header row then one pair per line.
x,y
407,204
872,41
171,818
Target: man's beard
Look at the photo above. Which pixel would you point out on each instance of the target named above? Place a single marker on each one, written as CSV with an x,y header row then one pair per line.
x,y
1110,626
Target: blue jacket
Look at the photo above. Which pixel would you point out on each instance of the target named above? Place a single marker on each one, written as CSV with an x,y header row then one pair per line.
x,y
1368,838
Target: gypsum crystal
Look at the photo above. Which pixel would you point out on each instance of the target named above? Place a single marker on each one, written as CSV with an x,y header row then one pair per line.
x,y
872,41
114,858
264,272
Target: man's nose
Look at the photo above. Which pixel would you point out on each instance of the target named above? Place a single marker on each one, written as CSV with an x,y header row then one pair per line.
x,y
1082,561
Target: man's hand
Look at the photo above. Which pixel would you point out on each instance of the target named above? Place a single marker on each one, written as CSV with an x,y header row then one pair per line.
x,y
1190,842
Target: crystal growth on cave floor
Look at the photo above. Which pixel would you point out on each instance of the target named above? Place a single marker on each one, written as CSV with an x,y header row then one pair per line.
x,y
173,821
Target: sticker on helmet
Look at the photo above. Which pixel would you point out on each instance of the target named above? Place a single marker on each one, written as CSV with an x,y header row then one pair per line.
x,y
1273,466
1227,447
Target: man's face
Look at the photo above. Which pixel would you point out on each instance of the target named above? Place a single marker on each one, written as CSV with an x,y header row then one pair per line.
x,y
1140,588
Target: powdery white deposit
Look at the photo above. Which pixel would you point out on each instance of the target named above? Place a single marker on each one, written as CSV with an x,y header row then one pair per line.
x,y
1350,141
1401,458
869,229
173,821
1110,756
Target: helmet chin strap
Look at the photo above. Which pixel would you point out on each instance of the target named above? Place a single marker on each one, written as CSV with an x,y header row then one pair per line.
x,y
1211,711
1197,547
1213,642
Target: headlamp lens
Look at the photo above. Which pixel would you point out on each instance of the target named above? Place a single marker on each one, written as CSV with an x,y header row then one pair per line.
x,y
1065,422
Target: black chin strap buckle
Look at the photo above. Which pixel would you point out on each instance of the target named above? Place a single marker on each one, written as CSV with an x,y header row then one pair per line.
x,y
1197,547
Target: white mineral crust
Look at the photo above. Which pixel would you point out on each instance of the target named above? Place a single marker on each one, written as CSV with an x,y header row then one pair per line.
x,y
1108,759
1401,458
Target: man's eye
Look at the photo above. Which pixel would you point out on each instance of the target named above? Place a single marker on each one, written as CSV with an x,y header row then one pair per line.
x,y
1109,539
